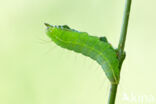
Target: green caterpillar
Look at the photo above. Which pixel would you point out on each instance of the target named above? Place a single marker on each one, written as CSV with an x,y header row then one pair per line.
x,y
94,47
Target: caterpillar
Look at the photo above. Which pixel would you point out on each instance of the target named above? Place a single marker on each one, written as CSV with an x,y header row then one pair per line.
x,y
94,47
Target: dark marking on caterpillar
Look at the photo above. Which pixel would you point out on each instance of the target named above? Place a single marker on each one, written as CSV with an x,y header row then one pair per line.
x,y
103,39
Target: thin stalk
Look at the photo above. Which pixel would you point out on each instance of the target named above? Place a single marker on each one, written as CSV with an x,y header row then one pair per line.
x,y
124,27
121,53
112,94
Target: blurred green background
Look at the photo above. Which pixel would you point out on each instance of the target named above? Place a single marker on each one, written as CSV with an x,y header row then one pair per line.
x,y
33,70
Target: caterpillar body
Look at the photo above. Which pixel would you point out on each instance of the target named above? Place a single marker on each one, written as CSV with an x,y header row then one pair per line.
x,y
94,47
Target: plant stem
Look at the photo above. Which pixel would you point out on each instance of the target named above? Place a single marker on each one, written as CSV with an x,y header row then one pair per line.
x,y
124,27
112,94
121,53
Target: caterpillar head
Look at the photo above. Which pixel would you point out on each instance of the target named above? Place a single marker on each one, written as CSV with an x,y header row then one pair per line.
x,y
59,26
52,29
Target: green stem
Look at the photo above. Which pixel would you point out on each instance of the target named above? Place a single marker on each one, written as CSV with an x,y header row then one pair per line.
x,y
121,53
124,27
112,94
